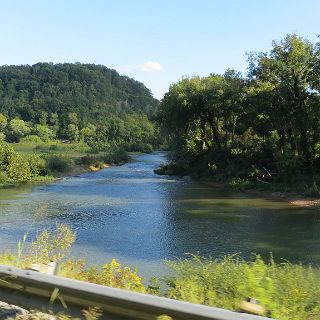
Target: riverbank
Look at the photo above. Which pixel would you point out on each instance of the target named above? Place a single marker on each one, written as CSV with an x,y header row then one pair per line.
x,y
78,169
33,165
291,194
294,198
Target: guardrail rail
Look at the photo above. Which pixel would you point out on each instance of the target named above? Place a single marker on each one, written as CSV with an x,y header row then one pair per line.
x,y
34,290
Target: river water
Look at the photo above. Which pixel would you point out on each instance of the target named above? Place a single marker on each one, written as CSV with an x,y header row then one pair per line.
x,y
140,218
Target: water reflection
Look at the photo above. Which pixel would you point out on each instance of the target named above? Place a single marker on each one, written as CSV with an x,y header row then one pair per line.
x,y
132,214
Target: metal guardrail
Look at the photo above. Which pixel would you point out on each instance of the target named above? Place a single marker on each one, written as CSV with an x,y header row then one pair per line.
x,y
34,290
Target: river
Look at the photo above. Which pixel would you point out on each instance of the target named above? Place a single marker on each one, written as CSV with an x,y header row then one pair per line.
x,y
140,218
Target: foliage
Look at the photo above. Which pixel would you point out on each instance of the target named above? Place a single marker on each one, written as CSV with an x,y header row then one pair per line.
x,y
140,147
286,291
43,132
31,139
37,165
13,167
53,245
269,120
56,164
18,129
239,184
92,313
116,156
50,92
56,244
313,190
74,102
110,274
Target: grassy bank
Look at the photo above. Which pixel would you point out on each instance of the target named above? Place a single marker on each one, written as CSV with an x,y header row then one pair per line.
x,y
285,291
25,162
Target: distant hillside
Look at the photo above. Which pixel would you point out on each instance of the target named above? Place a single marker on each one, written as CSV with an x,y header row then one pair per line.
x,y
89,90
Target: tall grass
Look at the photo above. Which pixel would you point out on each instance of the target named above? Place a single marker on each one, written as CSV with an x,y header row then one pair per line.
x,y
56,245
286,291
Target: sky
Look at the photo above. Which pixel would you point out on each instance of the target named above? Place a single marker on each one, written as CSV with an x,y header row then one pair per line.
x,y
156,42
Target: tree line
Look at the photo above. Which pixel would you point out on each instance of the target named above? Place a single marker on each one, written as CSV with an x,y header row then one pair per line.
x,y
74,102
262,125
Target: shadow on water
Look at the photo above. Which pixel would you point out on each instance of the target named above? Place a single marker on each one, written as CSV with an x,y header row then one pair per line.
x,y
132,214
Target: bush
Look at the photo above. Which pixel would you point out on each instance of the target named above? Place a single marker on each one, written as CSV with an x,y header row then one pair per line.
x,y
116,156
13,167
37,165
140,147
289,164
286,291
3,178
31,139
240,184
312,190
110,274
57,164
88,160
2,136
56,245
52,245
53,147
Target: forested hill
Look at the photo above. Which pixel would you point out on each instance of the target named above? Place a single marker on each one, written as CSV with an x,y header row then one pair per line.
x,y
89,90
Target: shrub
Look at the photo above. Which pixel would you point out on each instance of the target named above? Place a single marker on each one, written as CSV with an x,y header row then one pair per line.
x,y
286,291
53,147
88,160
312,190
57,164
116,156
13,166
37,165
3,177
56,245
289,164
140,147
53,245
240,184
110,274
31,139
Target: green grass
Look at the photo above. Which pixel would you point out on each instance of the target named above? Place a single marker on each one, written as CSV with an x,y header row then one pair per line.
x,y
74,150
286,291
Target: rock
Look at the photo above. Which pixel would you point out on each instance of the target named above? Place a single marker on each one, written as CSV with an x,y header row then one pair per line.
x,y
10,311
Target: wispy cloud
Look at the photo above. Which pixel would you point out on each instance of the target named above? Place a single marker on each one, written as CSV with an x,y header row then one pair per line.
x,y
148,66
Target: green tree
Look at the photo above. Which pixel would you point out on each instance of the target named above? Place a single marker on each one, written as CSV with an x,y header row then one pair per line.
x,y
43,132
3,122
18,129
286,80
73,132
88,133
12,166
43,118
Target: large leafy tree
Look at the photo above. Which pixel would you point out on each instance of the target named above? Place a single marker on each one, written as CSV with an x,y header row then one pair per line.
x,y
204,111
285,85
271,118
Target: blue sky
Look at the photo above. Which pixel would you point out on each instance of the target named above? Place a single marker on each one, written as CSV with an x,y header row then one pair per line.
x,y
154,41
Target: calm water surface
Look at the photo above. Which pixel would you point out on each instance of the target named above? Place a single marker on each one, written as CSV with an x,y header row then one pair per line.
x,y
140,218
